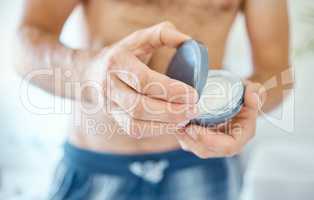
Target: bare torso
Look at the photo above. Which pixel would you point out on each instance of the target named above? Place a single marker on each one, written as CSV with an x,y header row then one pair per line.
x,y
108,21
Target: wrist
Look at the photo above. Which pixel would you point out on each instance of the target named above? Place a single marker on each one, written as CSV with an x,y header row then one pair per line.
x,y
90,65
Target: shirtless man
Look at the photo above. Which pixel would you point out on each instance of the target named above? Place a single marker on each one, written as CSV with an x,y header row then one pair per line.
x,y
126,158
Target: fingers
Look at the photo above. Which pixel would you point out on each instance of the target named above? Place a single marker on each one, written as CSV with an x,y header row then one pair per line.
x,y
142,107
206,143
255,96
124,61
151,83
163,34
222,143
188,144
142,129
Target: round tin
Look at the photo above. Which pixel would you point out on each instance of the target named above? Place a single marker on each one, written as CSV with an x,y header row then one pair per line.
x,y
221,93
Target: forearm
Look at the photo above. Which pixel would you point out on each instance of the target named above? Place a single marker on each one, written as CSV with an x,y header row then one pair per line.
x,y
50,65
272,82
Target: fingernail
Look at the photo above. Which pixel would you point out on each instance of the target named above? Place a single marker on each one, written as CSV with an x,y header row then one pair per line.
x,y
215,150
183,146
193,112
189,98
193,97
186,36
257,98
183,124
193,134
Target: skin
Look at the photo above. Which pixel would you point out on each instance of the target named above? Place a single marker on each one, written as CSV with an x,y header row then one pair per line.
x,y
128,52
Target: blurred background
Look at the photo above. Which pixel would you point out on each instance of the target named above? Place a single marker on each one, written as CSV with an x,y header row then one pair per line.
x,y
278,163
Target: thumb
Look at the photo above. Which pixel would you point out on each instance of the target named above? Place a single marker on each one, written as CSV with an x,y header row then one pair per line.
x,y
253,98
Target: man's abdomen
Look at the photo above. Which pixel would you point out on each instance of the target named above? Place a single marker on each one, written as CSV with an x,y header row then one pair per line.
x,y
109,21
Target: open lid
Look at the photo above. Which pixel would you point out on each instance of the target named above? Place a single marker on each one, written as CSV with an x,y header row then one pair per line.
x,y
190,65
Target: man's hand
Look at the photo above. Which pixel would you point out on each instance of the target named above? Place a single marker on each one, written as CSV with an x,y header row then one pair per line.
x,y
225,139
141,100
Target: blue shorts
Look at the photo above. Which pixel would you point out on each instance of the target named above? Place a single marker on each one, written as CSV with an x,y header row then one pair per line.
x,y
174,175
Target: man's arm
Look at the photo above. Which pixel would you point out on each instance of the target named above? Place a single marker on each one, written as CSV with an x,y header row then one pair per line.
x,y
268,29
143,98
40,47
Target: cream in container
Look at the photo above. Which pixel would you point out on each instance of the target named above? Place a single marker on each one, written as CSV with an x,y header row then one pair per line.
x,y
221,92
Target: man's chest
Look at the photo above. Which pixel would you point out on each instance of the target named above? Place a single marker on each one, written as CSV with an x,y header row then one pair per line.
x,y
124,16
206,20
200,6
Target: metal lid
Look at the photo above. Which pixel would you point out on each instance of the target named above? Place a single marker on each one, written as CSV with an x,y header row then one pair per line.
x,y
190,65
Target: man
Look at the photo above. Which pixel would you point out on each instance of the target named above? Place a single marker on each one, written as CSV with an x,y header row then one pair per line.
x,y
129,148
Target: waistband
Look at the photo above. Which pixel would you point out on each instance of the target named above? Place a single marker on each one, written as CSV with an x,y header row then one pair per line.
x,y
121,164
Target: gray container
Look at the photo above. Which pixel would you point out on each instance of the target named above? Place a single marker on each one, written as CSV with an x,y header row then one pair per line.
x,y
221,93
